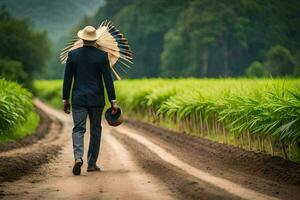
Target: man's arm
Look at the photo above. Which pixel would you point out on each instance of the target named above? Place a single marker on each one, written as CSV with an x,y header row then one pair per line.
x,y
109,85
68,76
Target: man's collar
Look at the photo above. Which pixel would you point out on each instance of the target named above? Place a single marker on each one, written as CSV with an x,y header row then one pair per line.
x,y
89,45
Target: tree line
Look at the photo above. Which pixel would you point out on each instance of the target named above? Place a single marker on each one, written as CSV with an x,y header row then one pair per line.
x,y
23,51
208,38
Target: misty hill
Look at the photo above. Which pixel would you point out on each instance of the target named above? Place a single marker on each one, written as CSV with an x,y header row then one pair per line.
x,y
55,16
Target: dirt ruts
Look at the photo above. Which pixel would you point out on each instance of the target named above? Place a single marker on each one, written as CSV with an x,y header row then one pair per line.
x,y
266,174
119,178
25,155
182,185
142,161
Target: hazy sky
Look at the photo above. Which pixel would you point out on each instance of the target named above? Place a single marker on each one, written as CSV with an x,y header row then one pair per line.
x,y
55,16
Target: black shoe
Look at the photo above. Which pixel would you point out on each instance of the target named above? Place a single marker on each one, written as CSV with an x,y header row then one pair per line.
x,y
77,166
93,169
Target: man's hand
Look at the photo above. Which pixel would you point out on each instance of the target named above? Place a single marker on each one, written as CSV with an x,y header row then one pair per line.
x,y
66,106
114,107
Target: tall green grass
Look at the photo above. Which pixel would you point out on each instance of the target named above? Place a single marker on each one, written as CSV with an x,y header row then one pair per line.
x,y
256,114
17,115
49,91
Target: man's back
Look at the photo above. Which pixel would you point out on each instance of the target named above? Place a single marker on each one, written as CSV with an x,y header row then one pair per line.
x,y
87,65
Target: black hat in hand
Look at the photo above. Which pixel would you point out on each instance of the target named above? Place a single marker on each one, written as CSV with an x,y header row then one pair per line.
x,y
114,120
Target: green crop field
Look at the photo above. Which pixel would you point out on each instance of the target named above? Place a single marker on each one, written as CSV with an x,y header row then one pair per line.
x,y
17,115
256,114
49,91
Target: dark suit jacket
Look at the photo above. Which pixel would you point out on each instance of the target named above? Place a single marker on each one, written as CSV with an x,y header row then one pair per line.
x,y
87,65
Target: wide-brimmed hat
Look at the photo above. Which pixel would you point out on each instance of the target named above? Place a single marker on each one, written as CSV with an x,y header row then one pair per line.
x,y
112,41
89,33
114,120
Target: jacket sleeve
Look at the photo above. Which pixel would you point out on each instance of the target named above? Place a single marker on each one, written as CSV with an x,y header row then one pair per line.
x,y
68,76
108,80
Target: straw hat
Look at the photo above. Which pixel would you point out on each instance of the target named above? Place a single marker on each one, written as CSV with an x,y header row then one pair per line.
x,y
109,39
89,33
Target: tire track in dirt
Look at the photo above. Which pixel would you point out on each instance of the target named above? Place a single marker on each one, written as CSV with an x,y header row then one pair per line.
x,y
133,167
28,155
120,178
221,183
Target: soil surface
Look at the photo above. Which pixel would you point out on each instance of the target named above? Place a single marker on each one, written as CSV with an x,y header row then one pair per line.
x,y
141,161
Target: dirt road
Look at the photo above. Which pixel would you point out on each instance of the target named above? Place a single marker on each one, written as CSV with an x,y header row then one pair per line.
x,y
138,163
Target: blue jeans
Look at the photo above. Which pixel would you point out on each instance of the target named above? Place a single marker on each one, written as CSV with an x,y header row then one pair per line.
x,y
79,119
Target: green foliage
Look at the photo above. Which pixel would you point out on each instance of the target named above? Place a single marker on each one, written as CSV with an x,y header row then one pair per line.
x,y
280,61
256,69
175,38
144,23
171,66
202,38
15,107
27,128
222,109
212,30
297,71
12,70
250,110
49,91
58,18
297,63
21,44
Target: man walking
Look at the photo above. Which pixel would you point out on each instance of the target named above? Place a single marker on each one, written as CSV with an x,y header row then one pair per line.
x,y
87,67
